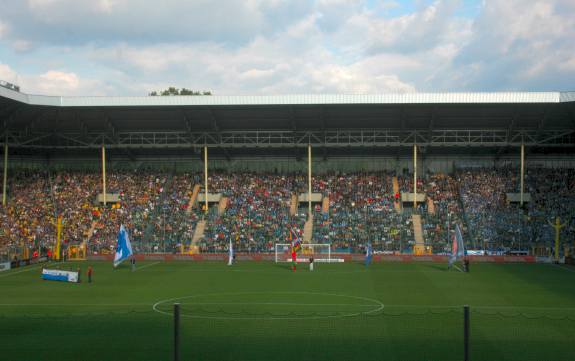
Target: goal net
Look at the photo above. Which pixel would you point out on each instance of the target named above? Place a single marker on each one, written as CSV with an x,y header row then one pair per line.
x,y
319,252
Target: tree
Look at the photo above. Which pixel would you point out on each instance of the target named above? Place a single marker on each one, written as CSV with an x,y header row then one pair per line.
x,y
171,91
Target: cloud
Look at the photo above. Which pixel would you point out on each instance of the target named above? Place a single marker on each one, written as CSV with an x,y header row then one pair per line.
x,y
3,29
129,47
521,47
80,22
7,74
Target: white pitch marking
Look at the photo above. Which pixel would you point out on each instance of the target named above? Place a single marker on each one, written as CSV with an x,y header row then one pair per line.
x,y
564,268
277,304
18,272
376,303
73,304
148,265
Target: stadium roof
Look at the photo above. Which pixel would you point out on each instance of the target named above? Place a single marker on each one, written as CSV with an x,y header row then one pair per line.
x,y
485,120
306,99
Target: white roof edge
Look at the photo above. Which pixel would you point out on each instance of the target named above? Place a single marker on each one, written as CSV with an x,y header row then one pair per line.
x,y
303,99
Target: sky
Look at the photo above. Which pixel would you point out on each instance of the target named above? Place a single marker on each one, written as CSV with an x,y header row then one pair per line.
x,y
244,47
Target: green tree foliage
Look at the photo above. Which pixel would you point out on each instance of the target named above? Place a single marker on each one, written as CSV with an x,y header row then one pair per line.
x,y
175,91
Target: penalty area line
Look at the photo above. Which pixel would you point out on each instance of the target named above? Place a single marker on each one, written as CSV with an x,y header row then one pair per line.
x,y
563,267
22,271
146,266
74,304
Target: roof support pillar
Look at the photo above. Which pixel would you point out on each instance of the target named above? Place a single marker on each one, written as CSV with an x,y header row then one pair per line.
x,y
4,182
206,179
522,172
414,177
309,181
104,174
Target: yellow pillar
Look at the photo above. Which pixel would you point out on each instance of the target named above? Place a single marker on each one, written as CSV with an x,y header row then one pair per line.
x,y
522,171
206,178
557,226
104,173
56,255
414,176
309,180
5,172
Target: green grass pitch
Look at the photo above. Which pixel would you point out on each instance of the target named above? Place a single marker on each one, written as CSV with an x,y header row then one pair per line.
x,y
263,311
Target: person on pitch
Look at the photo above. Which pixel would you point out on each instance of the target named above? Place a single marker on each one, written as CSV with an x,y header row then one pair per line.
x,y
293,259
89,274
311,263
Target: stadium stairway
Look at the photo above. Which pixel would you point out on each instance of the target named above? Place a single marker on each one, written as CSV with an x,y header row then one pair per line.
x,y
325,205
293,205
198,232
308,230
222,205
397,205
419,247
193,198
90,232
430,206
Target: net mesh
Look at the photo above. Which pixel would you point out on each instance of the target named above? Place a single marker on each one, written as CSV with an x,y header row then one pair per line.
x,y
320,252
393,333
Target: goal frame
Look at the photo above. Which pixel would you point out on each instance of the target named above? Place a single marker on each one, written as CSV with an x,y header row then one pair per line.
x,y
301,257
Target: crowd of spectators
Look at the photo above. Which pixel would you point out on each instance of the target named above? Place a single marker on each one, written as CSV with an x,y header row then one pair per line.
x,y
257,214
361,211
155,207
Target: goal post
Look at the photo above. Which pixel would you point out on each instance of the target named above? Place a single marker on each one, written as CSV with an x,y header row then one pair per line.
x,y
319,252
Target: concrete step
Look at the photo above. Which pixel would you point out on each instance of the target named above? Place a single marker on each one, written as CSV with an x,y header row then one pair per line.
x,y
90,232
417,229
325,205
199,232
194,198
222,205
293,205
308,230
430,206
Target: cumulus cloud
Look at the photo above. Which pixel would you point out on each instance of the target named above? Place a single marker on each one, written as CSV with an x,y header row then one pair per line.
x,y
7,74
516,47
3,29
129,47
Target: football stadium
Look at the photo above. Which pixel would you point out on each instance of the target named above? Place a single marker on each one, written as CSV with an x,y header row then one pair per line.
x,y
321,180
434,226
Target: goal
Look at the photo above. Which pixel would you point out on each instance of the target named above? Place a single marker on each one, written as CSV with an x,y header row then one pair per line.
x,y
319,252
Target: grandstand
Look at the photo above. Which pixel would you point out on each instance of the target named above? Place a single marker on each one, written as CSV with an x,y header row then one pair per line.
x,y
468,150
187,176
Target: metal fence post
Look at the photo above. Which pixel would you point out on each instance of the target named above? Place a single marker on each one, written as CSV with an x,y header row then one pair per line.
x,y
466,333
176,332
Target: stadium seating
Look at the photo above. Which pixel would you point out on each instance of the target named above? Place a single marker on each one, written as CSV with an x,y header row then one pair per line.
x,y
160,210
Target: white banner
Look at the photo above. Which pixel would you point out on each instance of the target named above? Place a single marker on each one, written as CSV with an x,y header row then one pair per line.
x,y
58,275
4,266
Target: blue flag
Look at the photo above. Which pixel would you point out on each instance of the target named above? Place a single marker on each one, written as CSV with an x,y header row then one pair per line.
x,y
457,247
124,248
230,253
368,253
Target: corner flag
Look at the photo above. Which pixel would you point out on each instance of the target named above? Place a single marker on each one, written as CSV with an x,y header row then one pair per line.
x,y
124,248
457,247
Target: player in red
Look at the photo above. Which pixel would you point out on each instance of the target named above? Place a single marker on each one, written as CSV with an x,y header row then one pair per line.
x,y
293,259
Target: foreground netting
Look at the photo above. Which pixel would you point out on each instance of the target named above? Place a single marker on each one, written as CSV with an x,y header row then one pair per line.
x,y
393,333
